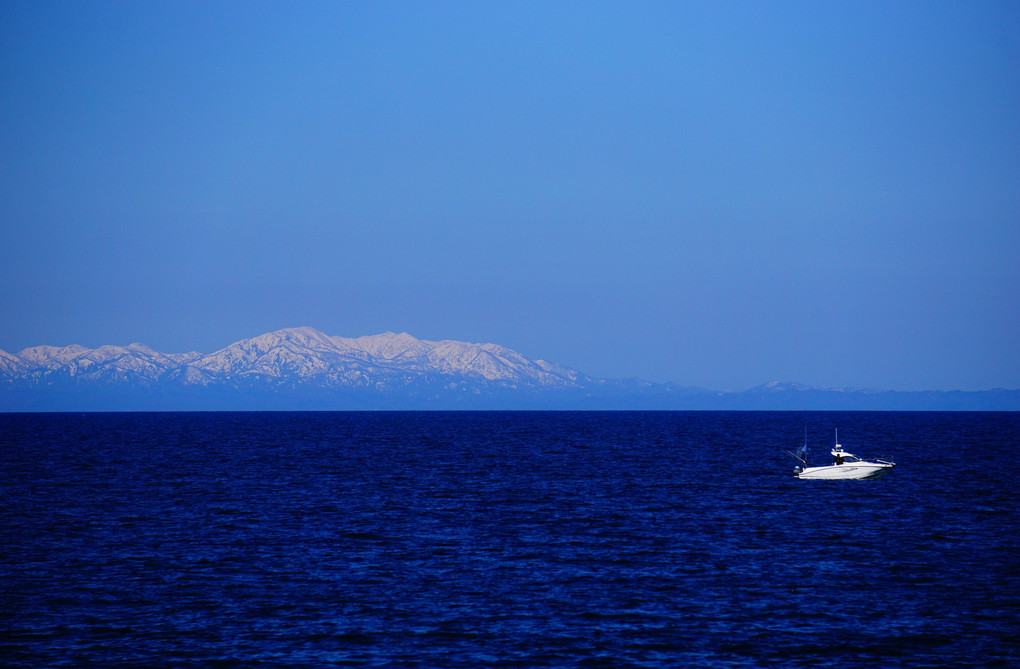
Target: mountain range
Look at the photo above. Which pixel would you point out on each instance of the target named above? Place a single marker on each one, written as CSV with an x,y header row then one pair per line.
x,y
304,369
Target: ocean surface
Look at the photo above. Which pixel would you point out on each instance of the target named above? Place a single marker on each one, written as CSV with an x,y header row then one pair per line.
x,y
506,539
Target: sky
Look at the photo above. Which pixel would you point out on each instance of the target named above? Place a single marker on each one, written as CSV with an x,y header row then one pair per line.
x,y
712,194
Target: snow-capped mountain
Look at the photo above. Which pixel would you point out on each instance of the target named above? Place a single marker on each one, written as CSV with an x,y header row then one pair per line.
x,y
305,354
123,363
302,368
296,358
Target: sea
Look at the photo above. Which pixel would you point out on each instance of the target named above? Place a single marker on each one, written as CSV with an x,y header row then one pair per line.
x,y
506,539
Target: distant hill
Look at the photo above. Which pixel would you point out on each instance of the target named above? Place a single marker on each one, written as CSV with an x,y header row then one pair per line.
x,y
304,369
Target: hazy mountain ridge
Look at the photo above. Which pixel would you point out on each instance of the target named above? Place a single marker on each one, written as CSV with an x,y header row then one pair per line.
x,y
302,368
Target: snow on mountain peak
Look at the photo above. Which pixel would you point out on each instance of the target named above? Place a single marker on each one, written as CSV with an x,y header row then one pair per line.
x,y
51,357
305,336
387,346
301,354
11,364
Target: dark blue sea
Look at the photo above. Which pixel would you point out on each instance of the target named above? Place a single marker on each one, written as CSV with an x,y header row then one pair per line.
x,y
506,539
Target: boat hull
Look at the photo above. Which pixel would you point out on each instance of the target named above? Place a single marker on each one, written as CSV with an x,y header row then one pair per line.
x,y
857,470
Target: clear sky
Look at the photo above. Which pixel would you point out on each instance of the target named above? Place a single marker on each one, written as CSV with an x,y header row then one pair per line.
x,y
717,194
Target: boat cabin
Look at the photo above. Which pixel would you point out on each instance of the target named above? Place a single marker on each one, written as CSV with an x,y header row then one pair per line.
x,y
842,457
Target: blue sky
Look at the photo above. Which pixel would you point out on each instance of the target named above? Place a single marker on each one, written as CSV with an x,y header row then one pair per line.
x,y
716,194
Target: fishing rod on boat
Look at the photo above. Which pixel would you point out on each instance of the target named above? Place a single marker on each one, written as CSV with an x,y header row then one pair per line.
x,y
797,457
801,453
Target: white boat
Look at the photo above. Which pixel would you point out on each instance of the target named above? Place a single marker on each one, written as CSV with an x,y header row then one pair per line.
x,y
845,465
